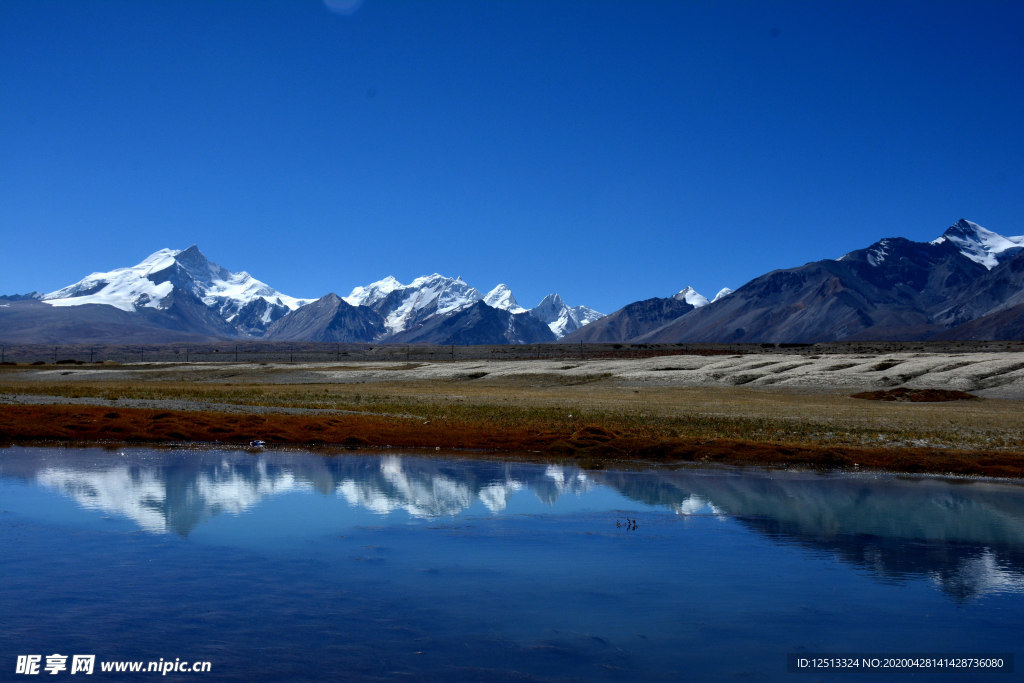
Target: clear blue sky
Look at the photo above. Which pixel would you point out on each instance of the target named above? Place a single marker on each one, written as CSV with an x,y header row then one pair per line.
x,y
607,150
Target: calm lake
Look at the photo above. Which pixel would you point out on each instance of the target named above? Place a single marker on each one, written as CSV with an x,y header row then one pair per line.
x,y
285,565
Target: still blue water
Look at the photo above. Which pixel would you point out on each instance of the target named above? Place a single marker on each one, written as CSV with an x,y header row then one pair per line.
x,y
295,566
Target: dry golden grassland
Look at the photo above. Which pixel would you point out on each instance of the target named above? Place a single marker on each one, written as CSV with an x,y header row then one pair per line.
x,y
558,410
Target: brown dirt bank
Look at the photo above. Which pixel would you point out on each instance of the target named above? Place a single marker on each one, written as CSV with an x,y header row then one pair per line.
x,y
592,445
904,394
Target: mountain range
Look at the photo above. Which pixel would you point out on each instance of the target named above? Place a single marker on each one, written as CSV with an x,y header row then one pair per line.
x,y
966,284
181,295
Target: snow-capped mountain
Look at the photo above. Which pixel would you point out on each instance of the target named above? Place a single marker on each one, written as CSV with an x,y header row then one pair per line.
x,y
501,298
241,300
562,318
966,284
404,306
372,294
180,295
692,297
124,288
722,293
980,245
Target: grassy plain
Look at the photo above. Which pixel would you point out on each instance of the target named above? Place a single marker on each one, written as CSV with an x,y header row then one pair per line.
x,y
591,412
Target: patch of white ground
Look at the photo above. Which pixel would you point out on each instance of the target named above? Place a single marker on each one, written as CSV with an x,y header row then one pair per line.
x,y
995,375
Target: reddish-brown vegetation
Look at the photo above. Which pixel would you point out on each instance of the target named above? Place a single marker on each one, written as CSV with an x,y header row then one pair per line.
x,y
591,444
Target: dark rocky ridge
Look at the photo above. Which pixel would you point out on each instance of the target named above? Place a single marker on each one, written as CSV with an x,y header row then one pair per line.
x,y
631,321
328,319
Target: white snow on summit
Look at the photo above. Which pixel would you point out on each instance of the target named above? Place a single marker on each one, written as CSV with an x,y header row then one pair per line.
x,y
150,282
561,318
404,306
973,241
373,293
423,296
452,294
722,293
501,298
690,296
430,291
123,288
169,278
978,244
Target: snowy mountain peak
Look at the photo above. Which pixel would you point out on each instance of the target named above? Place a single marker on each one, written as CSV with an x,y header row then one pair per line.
x,y
722,293
586,315
562,319
184,287
156,261
554,302
692,297
427,280
123,288
501,297
455,294
373,293
238,298
978,244
404,306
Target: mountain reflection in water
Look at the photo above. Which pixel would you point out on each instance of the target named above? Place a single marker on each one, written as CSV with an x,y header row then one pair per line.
x,y
966,536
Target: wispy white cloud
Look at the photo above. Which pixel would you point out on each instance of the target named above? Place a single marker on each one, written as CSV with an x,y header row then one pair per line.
x,y
343,7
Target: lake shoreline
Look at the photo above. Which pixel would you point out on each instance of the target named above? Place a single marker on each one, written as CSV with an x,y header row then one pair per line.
x,y
587,444
765,409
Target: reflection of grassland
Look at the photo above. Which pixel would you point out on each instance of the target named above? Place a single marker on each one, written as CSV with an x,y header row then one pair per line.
x,y
562,415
